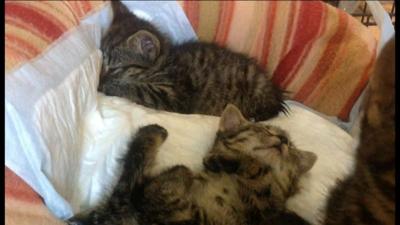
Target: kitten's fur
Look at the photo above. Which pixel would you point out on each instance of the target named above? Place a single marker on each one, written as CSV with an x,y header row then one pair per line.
x,y
250,172
368,196
141,64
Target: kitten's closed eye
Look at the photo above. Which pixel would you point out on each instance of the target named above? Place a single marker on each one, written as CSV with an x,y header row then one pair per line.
x,y
265,147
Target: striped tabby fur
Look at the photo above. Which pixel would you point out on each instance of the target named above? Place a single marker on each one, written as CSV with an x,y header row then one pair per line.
x,y
368,196
250,172
141,64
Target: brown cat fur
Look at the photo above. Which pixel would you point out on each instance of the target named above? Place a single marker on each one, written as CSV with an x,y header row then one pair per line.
x,y
141,64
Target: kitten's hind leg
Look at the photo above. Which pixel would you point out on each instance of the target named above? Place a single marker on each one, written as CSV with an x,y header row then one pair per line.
x,y
166,198
118,207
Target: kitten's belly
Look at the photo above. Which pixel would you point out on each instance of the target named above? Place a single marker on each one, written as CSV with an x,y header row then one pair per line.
x,y
217,197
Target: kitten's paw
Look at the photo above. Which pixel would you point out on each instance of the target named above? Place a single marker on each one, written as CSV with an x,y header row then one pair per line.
x,y
218,162
151,136
153,130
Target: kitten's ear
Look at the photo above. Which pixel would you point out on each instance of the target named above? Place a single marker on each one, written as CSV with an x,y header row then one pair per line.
x,y
307,161
145,43
119,10
231,118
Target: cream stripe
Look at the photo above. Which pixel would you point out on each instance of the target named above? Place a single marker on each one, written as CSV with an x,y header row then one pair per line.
x,y
254,26
256,50
22,212
278,34
25,35
208,19
293,31
240,29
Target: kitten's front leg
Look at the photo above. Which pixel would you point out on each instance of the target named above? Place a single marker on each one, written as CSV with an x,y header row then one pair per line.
x,y
140,155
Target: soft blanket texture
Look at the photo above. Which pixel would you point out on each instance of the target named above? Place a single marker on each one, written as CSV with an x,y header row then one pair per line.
x,y
34,29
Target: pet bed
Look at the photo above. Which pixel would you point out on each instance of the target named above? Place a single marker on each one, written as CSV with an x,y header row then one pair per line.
x,y
62,137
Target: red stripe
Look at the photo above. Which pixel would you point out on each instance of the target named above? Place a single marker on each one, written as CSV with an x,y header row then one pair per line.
x,y
192,12
17,23
268,32
39,22
325,61
16,188
224,22
345,111
289,28
310,23
22,44
86,7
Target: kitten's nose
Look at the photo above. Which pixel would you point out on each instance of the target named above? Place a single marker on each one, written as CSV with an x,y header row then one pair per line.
x,y
283,139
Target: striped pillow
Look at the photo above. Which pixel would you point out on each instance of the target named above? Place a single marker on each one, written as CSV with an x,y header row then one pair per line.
x,y
320,54
31,26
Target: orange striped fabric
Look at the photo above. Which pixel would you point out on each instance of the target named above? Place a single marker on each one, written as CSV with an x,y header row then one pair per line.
x,y
22,205
318,53
31,26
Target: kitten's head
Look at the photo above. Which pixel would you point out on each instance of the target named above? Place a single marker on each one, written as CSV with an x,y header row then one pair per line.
x,y
130,42
244,145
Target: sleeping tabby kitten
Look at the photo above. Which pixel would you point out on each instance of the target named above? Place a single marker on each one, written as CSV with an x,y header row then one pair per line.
x,y
368,196
141,64
250,172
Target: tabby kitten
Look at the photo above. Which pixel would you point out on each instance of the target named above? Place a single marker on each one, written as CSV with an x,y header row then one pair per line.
x,y
250,172
141,64
368,196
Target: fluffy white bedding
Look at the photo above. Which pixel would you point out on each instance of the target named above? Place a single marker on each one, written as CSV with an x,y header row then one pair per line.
x,y
190,136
